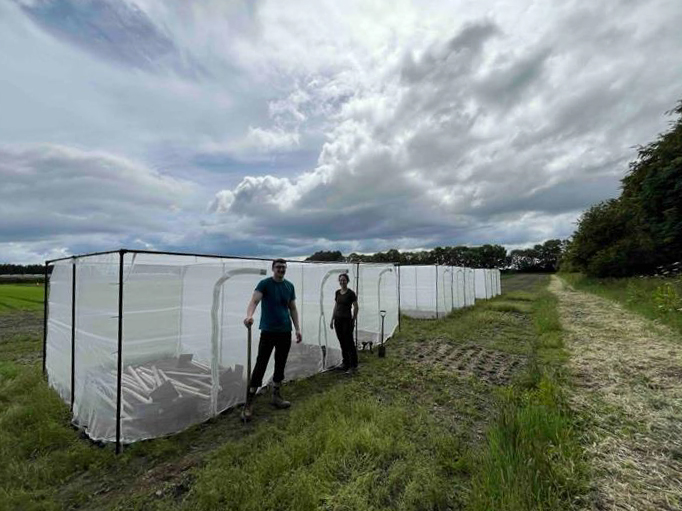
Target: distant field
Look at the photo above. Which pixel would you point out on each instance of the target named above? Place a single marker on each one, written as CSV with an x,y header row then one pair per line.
x,y
521,281
16,297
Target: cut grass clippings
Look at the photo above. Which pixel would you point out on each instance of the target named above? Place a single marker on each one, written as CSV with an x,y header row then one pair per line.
x,y
626,371
657,298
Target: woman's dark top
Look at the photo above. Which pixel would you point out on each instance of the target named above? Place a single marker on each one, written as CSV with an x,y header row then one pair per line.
x,y
343,304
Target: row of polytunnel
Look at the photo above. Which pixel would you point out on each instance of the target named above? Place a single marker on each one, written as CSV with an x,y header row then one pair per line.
x,y
144,344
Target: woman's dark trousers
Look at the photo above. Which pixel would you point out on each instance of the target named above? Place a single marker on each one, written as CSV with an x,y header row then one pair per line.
x,y
344,332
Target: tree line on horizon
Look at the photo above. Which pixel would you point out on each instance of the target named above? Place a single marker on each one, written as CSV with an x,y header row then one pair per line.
x,y
22,269
640,231
543,257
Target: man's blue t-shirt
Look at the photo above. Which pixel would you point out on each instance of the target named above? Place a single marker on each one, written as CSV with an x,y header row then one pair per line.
x,y
274,314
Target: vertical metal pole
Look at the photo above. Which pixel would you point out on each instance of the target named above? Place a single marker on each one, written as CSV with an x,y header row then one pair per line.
x,y
436,291
398,297
357,293
45,314
73,333
121,255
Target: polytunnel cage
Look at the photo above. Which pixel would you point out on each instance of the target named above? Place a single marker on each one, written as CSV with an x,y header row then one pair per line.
x,y
378,290
144,344
430,292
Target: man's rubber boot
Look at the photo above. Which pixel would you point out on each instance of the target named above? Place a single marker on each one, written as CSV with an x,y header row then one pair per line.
x,y
247,411
277,400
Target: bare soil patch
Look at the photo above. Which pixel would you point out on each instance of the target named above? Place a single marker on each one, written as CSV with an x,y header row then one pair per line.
x,y
627,372
467,360
21,323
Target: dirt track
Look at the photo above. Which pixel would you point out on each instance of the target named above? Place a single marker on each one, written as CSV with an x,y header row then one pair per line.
x,y
627,372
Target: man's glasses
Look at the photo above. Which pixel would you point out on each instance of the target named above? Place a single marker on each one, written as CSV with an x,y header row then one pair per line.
x,y
280,267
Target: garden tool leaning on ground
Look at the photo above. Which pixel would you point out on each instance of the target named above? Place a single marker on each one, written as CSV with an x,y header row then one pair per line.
x,y
247,412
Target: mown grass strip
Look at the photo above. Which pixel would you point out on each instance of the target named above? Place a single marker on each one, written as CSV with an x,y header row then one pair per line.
x,y
532,459
657,298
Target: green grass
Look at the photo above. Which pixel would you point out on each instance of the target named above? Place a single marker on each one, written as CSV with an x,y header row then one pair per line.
x,y
15,297
338,452
533,459
400,435
39,451
657,298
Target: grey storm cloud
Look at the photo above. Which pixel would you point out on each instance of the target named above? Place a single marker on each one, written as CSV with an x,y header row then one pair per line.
x,y
369,186
117,31
55,191
222,127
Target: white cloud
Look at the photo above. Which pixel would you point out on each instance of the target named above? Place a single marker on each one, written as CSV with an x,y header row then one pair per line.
x,y
433,122
482,126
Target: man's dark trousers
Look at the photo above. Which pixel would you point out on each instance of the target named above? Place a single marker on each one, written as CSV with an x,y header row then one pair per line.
x,y
281,343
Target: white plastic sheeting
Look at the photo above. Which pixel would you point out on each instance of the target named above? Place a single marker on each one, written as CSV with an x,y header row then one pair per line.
x,y
419,291
470,287
184,344
433,291
58,350
378,291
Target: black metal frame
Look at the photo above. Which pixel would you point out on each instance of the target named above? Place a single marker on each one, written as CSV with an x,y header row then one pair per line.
x,y
120,350
399,312
186,254
46,301
73,333
357,294
122,253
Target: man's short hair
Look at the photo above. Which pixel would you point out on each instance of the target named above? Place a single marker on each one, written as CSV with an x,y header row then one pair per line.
x,y
276,261
345,275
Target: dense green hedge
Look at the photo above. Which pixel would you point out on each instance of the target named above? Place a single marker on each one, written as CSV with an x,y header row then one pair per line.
x,y
642,229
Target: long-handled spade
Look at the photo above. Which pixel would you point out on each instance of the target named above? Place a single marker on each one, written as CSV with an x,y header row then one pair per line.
x,y
248,372
382,348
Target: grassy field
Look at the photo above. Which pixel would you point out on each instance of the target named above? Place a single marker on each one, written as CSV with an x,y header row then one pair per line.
x,y
465,412
15,297
657,298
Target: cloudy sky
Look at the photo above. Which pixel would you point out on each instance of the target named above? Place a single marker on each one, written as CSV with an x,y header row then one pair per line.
x,y
282,128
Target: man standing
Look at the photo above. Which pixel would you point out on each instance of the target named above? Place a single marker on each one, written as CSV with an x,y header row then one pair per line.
x,y
277,312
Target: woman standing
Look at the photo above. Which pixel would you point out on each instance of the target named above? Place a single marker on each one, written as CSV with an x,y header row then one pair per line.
x,y
344,321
